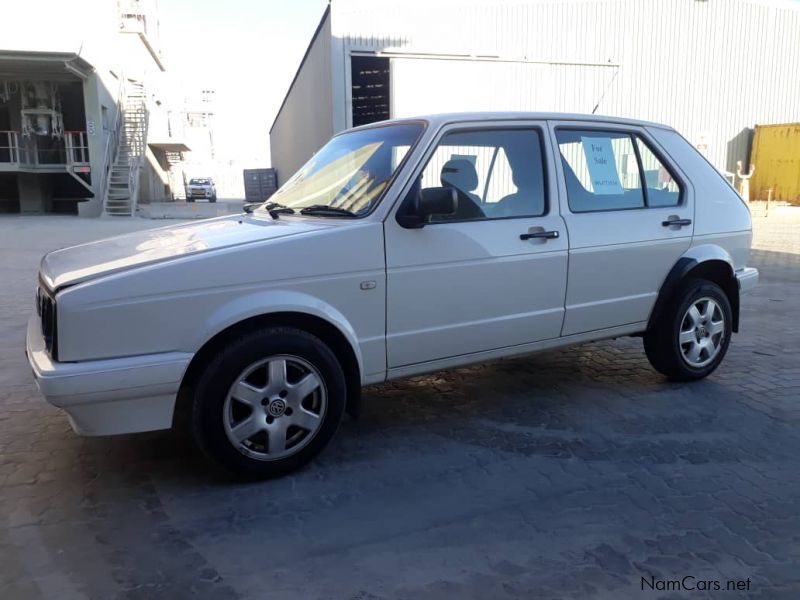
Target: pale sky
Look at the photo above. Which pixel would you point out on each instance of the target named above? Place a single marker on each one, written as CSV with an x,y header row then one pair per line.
x,y
248,51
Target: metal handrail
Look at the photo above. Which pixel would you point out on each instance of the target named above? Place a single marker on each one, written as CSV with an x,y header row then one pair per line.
x,y
77,147
29,154
112,143
133,183
11,145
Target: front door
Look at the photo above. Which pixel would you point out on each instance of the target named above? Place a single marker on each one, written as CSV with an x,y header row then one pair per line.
x,y
629,215
491,275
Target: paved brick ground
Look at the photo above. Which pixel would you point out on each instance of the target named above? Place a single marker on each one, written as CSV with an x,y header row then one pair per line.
x,y
568,474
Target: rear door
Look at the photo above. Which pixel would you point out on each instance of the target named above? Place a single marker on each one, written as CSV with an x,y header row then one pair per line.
x,y
629,214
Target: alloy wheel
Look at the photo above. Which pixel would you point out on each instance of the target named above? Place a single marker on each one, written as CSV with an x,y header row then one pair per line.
x,y
702,332
275,407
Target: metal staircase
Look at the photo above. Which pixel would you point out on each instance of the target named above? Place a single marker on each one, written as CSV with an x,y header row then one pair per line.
x,y
122,183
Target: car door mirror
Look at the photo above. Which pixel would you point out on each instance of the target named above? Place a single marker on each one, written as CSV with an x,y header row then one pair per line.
x,y
439,201
442,201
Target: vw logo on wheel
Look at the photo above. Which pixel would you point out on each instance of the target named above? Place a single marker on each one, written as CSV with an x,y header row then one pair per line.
x,y
276,408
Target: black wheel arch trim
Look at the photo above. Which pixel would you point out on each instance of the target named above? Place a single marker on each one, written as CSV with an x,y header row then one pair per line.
x,y
680,271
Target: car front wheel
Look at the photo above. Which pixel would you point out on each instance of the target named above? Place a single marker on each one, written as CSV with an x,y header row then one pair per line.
x,y
269,402
691,337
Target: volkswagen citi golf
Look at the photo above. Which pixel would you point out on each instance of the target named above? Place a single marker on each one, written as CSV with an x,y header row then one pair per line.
x,y
400,248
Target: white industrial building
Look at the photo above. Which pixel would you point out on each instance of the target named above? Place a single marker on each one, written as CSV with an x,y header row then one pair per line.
x,y
711,68
90,122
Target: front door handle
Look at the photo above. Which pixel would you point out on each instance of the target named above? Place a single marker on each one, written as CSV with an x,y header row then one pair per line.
x,y
547,235
678,222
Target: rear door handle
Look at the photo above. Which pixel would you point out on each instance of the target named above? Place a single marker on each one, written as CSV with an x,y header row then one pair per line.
x,y
678,222
547,235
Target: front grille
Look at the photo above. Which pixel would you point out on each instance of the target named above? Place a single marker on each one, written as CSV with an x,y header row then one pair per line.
x,y
46,309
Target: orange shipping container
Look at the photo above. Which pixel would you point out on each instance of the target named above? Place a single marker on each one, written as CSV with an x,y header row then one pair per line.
x,y
776,155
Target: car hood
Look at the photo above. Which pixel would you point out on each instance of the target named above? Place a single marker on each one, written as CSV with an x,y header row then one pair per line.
x,y
76,264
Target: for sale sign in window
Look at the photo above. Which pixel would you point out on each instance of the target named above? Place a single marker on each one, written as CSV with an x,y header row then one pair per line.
x,y
602,165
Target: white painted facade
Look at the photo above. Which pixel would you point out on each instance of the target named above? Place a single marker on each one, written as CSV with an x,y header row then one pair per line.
x,y
712,69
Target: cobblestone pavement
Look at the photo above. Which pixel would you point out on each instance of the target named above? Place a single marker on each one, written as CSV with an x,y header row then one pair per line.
x,y
567,474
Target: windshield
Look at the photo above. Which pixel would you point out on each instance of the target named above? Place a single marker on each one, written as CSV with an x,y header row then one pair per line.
x,y
350,172
200,182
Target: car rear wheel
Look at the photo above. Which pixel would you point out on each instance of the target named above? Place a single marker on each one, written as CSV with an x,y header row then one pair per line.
x,y
691,337
269,402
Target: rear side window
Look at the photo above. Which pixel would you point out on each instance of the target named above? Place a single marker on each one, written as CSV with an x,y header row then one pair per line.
x,y
612,170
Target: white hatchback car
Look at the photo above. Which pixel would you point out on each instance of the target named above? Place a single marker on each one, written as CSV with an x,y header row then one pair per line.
x,y
400,248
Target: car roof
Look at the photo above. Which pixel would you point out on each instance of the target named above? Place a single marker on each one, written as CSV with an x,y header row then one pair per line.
x,y
439,119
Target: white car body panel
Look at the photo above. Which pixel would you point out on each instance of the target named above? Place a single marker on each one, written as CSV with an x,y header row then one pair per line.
x,y
112,396
460,288
618,259
214,290
133,311
88,261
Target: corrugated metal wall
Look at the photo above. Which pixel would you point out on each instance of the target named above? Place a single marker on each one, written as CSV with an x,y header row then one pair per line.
x,y
305,121
712,69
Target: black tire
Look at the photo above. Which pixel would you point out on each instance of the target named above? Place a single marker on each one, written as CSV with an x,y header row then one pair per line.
x,y
662,341
190,199
222,372
213,199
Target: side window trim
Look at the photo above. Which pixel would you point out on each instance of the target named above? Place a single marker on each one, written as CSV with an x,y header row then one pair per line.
x,y
489,176
634,134
540,127
640,165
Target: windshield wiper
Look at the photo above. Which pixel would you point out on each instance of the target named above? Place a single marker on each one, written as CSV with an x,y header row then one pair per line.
x,y
274,209
325,210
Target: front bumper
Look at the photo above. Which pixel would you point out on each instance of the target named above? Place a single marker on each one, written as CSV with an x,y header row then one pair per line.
x,y
747,278
112,396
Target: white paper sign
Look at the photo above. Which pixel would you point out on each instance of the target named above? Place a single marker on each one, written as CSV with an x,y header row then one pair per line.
x,y
602,165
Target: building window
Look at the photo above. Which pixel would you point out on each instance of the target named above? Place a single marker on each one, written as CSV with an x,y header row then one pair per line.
x,y
370,89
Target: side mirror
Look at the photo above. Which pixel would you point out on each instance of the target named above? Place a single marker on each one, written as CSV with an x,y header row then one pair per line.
x,y
427,203
437,201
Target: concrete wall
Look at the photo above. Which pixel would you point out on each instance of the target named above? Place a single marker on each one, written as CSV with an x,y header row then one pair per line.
x,y
305,122
712,69
99,90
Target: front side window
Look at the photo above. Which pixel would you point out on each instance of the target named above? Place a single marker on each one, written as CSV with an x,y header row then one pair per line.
x,y
348,174
611,170
496,173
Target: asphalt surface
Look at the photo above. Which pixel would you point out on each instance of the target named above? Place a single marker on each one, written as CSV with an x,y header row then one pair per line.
x,y
570,474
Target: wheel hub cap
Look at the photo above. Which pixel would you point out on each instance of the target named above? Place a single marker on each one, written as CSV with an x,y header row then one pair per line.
x,y
275,407
702,332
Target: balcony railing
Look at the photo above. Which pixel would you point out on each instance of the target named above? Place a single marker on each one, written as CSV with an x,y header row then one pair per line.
x,y
9,147
73,152
77,147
